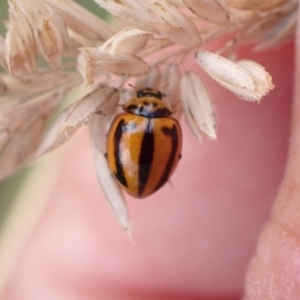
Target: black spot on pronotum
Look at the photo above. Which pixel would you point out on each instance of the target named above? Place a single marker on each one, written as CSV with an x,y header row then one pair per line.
x,y
162,112
131,107
121,127
173,134
157,113
146,158
146,103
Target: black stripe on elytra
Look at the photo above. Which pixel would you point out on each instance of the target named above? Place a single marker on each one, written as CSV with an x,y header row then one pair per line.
x,y
121,127
173,134
146,157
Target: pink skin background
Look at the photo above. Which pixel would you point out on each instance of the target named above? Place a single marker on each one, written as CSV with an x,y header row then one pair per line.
x,y
194,239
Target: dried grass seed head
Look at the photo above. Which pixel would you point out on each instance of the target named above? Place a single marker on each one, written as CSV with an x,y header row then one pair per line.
x,y
43,27
150,53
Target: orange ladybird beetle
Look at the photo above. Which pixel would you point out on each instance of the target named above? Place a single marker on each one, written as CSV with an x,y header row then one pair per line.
x,y
144,144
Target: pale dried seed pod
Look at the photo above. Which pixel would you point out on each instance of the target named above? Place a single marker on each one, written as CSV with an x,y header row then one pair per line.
x,y
180,28
54,137
154,45
261,78
13,118
21,129
81,21
240,16
130,41
173,24
209,10
138,5
48,29
198,106
224,5
143,20
167,12
255,4
42,26
51,35
170,83
79,113
20,47
86,68
26,101
32,25
69,46
249,80
49,41
122,64
111,106
80,40
40,82
109,185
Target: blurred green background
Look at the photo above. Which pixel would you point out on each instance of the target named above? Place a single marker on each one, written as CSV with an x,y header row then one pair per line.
x,y
10,186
